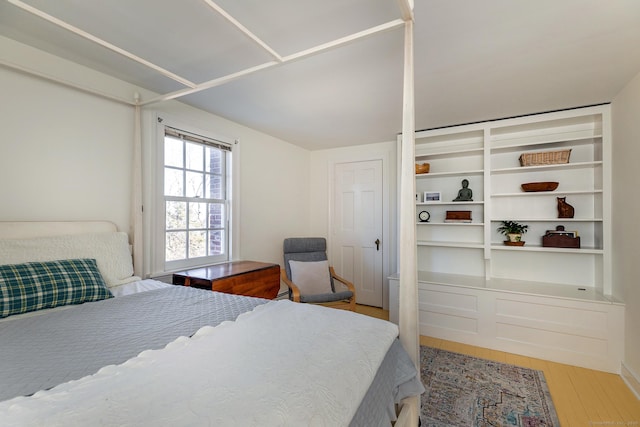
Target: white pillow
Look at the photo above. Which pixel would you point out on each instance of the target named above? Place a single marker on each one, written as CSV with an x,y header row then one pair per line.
x,y
110,250
312,277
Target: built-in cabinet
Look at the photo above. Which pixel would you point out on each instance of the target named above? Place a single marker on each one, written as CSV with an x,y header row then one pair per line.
x,y
462,263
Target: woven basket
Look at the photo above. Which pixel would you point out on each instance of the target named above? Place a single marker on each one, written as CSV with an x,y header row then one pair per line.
x,y
545,158
422,168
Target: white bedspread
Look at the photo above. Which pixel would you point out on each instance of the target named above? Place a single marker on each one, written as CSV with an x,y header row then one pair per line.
x,y
283,364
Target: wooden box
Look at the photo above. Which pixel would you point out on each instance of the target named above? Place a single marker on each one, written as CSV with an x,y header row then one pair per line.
x,y
556,240
458,216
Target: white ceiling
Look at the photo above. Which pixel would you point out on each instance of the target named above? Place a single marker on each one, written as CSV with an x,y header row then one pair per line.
x,y
474,60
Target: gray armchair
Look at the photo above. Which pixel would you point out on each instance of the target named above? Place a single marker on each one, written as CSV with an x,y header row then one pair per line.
x,y
310,278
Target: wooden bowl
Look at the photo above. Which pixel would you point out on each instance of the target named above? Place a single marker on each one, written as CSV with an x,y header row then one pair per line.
x,y
539,186
422,168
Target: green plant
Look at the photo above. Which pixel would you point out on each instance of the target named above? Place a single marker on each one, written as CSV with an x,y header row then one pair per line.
x,y
512,227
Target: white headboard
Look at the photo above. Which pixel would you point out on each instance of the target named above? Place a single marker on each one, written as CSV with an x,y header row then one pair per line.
x,y
30,229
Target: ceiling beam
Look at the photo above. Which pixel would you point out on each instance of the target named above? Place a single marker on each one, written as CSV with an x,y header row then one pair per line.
x,y
103,43
192,87
243,29
406,9
302,54
63,82
345,40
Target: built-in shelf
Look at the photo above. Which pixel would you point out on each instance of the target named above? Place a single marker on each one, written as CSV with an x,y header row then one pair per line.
x,y
556,290
448,153
562,166
555,193
452,224
520,219
547,302
487,154
469,245
535,142
528,247
449,173
449,203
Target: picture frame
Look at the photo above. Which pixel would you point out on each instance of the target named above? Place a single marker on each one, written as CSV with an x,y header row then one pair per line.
x,y
432,196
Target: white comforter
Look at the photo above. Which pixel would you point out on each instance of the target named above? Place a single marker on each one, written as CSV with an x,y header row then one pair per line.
x,y
281,364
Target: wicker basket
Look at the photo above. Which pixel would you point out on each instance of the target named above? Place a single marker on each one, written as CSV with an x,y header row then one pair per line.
x,y
422,168
545,158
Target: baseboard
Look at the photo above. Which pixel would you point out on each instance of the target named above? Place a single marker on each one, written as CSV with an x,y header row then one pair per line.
x,y
631,379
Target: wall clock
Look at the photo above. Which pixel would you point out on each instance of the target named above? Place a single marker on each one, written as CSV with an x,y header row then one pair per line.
x,y
424,216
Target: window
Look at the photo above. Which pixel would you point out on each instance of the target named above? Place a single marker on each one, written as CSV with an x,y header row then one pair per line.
x,y
196,196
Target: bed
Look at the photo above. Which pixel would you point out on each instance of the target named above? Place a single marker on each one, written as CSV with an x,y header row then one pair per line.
x,y
113,349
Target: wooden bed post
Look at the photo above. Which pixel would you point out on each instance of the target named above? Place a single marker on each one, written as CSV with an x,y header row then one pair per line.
x,y
135,227
408,313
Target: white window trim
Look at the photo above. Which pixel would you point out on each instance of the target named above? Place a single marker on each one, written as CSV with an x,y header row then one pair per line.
x,y
155,188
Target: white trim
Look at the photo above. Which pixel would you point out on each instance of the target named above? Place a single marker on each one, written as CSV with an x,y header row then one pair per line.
x,y
631,379
293,57
60,23
388,242
157,221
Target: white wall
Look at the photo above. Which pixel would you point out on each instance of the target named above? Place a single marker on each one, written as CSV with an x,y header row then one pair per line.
x,y
67,155
64,154
626,206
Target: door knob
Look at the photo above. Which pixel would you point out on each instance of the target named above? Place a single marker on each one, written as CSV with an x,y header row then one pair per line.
x,y
377,242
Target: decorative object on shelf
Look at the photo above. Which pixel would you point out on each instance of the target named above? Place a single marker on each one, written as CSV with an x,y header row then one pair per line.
x,y
513,231
432,196
545,158
417,197
458,216
422,168
424,216
464,194
560,238
539,186
565,210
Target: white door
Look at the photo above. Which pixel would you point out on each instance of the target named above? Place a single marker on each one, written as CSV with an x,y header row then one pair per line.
x,y
357,243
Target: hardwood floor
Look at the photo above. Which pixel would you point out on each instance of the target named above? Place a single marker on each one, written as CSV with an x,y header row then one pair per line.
x,y
582,397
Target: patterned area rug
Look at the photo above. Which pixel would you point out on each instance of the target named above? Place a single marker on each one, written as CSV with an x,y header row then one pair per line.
x,y
467,391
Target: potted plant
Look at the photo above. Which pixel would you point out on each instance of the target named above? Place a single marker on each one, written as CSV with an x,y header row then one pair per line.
x,y
513,231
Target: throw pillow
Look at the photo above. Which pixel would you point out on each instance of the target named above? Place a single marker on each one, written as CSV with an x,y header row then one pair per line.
x,y
312,277
37,285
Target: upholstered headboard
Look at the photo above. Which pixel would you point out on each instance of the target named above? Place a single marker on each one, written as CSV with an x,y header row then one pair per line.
x,y
29,229
22,242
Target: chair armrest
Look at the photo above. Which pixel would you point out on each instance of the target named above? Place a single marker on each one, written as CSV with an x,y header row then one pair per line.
x,y
295,291
345,282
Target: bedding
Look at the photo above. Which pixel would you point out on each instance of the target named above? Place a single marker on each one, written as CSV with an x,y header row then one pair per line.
x,y
67,345
158,354
110,250
39,352
241,387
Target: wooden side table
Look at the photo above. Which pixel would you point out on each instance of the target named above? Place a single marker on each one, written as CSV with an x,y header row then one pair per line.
x,y
250,278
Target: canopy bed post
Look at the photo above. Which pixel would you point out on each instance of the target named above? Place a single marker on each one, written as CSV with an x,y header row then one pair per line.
x,y
408,313
136,192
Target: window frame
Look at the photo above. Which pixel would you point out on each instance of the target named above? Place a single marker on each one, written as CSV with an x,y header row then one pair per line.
x,y
158,236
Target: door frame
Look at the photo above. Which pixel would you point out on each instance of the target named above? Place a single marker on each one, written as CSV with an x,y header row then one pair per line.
x,y
389,175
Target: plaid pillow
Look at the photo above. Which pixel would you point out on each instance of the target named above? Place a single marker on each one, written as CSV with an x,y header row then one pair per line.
x,y
36,285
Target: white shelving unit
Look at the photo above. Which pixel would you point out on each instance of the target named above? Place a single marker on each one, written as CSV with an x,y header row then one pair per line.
x,y
469,280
